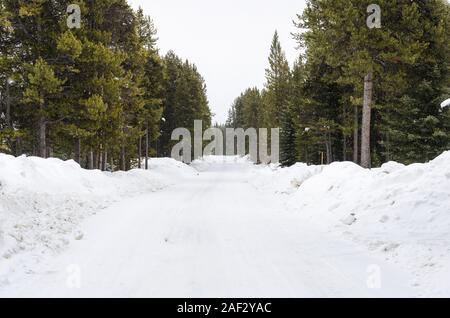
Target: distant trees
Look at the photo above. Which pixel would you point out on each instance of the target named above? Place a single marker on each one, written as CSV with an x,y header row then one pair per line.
x,y
185,100
367,94
277,88
104,96
94,94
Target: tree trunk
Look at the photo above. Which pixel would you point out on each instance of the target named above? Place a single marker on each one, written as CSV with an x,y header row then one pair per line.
x,y
111,163
95,160
328,148
344,148
104,160
355,135
139,152
8,105
42,137
100,159
365,128
146,147
306,155
122,158
327,152
330,144
78,150
49,151
91,160
18,146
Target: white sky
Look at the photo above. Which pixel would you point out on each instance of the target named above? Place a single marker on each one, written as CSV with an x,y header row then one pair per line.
x,y
228,40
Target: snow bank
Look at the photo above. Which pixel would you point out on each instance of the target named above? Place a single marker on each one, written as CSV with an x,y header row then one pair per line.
x,y
282,180
43,201
401,213
211,163
445,103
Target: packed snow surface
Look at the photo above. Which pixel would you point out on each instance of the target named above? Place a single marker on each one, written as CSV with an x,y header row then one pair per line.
x,y
223,227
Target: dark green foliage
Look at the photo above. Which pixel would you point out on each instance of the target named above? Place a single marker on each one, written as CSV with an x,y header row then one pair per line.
x,y
318,106
93,94
409,59
185,100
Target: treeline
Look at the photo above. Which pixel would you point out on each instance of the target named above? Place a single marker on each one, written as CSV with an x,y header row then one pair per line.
x,y
369,95
100,94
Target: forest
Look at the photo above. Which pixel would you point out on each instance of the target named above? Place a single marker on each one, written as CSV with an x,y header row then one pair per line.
x,y
368,95
101,94
105,96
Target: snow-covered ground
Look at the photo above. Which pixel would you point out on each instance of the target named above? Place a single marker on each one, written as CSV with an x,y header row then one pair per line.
x,y
43,203
224,227
398,213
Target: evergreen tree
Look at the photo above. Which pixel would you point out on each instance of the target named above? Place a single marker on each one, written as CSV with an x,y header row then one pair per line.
x,y
7,88
103,95
185,100
412,126
277,84
92,94
378,58
247,110
42,87
292,117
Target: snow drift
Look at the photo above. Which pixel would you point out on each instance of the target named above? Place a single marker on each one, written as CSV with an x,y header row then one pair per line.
x,y
445,103
43,201
396,213
401,213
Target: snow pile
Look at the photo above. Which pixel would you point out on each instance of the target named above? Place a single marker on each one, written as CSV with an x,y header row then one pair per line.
x,y
400,212
445,103
43,201
264,177
282,180
170,169
211,163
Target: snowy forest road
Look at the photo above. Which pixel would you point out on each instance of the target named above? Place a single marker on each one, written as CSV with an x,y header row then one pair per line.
x,y
214,235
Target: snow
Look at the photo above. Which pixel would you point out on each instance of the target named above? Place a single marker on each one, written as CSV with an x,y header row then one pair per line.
x,y
43,202
224,227
445,103
399,213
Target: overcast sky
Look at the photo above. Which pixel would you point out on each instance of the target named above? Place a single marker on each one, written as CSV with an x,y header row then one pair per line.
x,y
228,40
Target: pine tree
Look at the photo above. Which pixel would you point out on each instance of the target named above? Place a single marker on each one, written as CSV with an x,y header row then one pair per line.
x,y
7,90
412,124
92,93
320,116
292,118
277,84
153,88
288,149
152,84
247,110
41,92
185,100
252,108
337,31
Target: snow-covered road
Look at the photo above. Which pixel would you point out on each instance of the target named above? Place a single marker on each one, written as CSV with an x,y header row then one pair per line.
x,y
214,235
